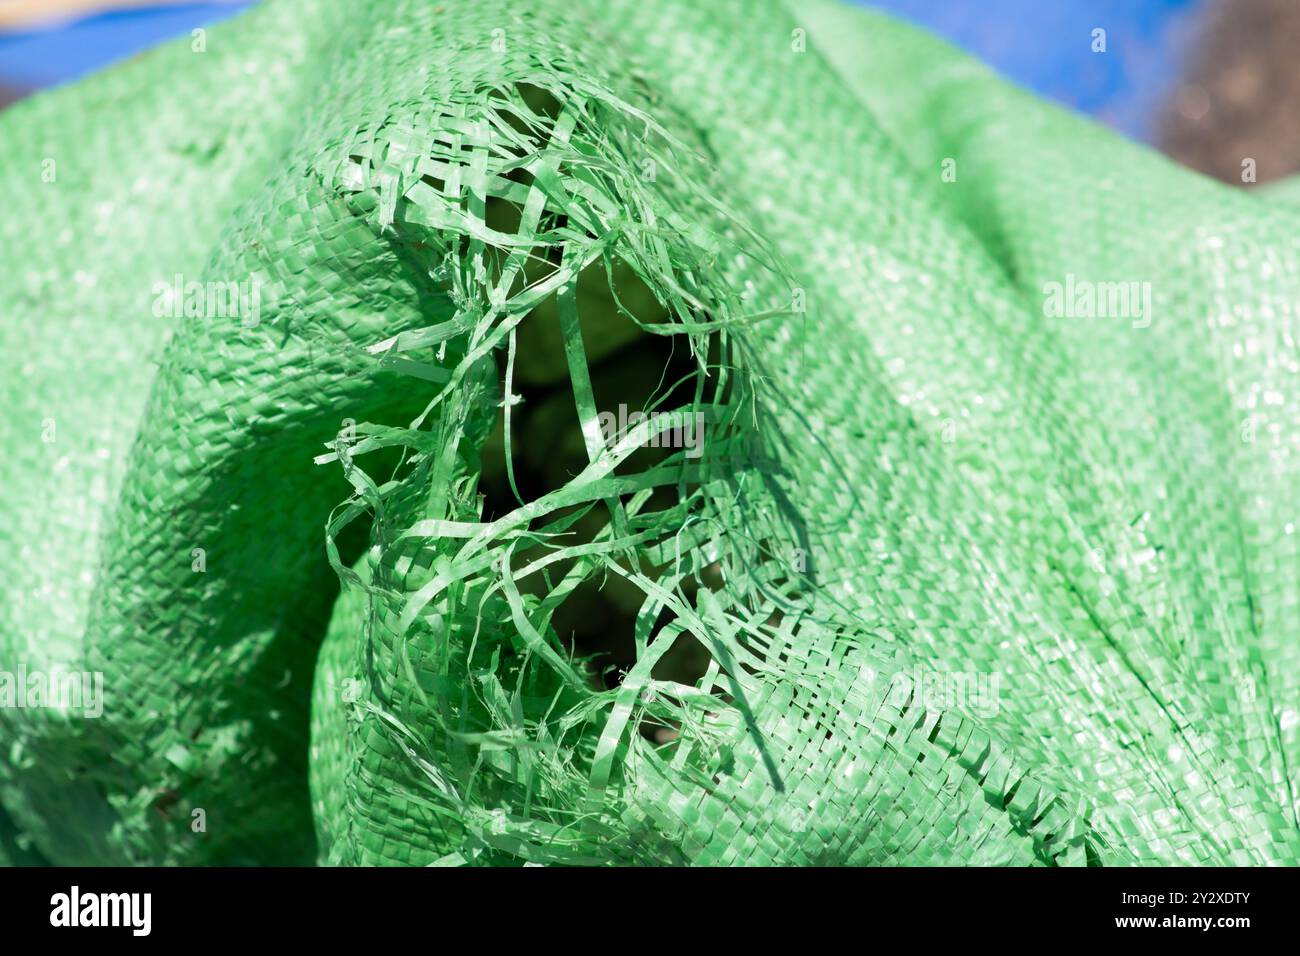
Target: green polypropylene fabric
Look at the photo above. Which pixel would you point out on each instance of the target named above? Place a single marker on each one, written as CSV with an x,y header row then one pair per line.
x,y
914,473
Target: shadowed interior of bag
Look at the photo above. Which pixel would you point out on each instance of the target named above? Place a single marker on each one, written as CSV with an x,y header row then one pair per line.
x,y
632,373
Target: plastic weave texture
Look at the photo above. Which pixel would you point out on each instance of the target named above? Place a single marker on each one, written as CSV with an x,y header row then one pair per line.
x,y
973,581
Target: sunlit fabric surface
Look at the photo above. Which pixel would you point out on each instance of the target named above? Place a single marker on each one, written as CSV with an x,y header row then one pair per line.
x,y
987,571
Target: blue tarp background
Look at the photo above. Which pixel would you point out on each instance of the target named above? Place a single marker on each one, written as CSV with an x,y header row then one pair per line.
x,y
1044,45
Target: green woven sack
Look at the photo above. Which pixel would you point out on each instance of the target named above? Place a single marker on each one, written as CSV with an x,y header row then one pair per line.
x,y
562,431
